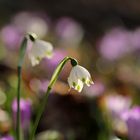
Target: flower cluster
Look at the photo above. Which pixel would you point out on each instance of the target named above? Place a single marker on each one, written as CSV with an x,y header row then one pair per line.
x,y
41,49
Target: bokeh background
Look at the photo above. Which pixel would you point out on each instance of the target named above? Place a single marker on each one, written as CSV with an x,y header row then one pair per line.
x,y
104,36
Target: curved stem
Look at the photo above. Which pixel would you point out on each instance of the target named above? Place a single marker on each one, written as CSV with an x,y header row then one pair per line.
x,y
45,99
59,68
19,69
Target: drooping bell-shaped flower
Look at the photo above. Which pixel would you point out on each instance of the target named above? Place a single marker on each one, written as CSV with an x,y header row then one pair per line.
x,y
78,77
39,50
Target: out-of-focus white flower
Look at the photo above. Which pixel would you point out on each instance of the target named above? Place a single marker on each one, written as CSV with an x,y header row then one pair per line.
x,y
39,50
114,138
50,135
78,77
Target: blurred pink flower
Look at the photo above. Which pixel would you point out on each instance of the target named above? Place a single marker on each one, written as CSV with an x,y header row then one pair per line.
x,y
34,23
132,119
135,39
44,86
25,108
115,44
51,64
95,90
69,30
11,36
6,137
116,104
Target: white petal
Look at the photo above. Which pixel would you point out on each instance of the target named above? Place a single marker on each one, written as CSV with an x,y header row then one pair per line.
x,y
46,46
79,86
34,61
39,50
72,81
78,76
76,84
82,72
42,48
88,82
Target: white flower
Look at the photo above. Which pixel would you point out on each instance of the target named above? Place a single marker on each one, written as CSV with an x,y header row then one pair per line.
x,y
40,49
78,77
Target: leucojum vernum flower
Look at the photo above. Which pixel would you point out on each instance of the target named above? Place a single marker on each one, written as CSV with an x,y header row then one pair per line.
x,y
78,77
40,49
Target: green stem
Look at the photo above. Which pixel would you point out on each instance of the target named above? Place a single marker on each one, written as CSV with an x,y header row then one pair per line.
x,y
59,68
18,105
45,99
39,114
19,69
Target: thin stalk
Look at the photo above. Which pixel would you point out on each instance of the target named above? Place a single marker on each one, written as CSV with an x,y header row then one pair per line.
x,y
44,102
39,114
19,69
18,105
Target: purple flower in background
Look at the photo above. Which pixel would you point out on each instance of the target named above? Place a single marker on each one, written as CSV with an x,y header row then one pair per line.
x,y
115,44
44,86
116,104
135,39
7,137
69,30
39,86
95,90
11,36
34,23
132,119
25,108
52,63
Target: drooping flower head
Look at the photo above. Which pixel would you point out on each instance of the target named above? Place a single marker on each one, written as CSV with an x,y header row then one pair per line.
x,y
39,50
78,77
